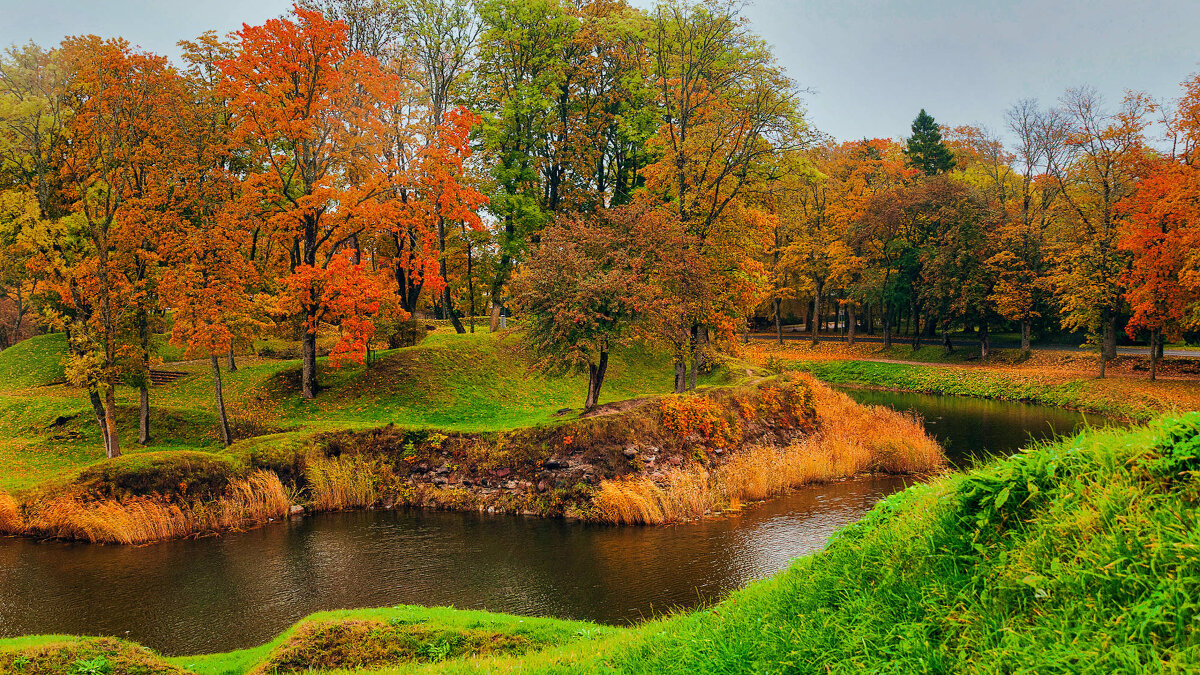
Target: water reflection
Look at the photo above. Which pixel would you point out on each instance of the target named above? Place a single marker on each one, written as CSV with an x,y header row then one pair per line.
x,y
972,428
242,589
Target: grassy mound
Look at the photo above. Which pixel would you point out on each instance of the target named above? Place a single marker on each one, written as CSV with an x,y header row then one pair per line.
x,y
33,362
465,383
402,636
80,656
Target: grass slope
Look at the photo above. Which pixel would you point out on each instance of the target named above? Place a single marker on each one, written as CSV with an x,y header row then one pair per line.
x,y
1074,393
471,382
1080,556
34,362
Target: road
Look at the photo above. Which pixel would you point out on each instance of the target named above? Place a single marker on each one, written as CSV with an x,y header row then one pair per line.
x,y
968,344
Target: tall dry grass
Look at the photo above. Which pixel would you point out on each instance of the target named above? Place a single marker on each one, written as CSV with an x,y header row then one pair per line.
x,y
10,515
851,439
139,520
338,483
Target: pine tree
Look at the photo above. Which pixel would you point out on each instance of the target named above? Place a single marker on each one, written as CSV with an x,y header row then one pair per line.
x,y
925,150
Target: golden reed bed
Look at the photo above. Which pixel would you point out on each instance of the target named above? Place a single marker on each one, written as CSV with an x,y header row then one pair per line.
x,y
851,439
256,499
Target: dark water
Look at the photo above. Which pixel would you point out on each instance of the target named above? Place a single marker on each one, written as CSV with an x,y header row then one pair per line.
x,y
242,589
972,429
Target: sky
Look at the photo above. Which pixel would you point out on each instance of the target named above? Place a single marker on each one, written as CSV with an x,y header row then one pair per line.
x,y
869,65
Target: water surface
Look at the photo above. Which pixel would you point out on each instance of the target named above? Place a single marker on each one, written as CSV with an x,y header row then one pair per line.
x,y
242,589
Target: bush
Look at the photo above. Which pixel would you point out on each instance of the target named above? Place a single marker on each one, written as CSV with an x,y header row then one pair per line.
x,y
408,333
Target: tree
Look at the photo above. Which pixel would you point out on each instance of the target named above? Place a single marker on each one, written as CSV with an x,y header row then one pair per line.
x,y
520,75
585,288
728,110
925,150
315,115
1098,171
1160,231
1020,263
122,100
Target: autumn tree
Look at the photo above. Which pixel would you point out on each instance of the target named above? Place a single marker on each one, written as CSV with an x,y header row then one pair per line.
x,y
120,127
314,112
1160,231
584,289
1095,174
1021,262
727,111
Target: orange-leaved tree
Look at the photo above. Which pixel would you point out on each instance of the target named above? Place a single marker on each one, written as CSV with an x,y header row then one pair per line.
x,y
314,115
122,101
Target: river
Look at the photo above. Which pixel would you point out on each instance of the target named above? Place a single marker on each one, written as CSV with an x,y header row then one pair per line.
x,y
242,589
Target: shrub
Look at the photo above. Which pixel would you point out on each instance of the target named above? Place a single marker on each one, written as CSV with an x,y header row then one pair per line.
x,y
10,515
1176,451
139,519
342,482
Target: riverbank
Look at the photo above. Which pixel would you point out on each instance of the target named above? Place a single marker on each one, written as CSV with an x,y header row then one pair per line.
x,y
653,460
1051,378
963,574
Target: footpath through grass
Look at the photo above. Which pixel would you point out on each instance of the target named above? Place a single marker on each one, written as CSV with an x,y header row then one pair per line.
x,y
1080,556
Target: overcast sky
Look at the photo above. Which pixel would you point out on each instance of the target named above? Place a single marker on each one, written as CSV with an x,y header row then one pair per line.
x,y
871,64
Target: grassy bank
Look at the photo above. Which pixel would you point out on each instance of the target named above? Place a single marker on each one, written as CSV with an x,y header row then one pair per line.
x,y
1074,557
655,460
1074,393
466,383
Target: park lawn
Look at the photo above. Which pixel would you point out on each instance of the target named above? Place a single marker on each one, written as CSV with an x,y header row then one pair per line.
x,y
471,382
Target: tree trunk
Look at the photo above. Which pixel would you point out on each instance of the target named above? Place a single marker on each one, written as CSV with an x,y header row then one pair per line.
x,y
308,367
1110,338
887,326
101,420
232,362
1162,341
947,345
448,304
470,279
110,417
851,320
143,415
984,341
596,380
1025,342
495,324
778,322
226,437
680,374
699,342
869,320
816,325
1155,340
144,389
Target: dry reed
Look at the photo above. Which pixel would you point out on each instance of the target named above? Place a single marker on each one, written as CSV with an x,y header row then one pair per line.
x,y
10,515
341,483
851,439
139,520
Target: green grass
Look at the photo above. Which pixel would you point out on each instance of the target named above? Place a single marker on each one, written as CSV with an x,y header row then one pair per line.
x,y
33,362
1074,393
1078,556
472,382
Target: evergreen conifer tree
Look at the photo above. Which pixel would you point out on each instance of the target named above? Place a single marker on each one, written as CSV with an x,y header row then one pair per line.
x,y
925,150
